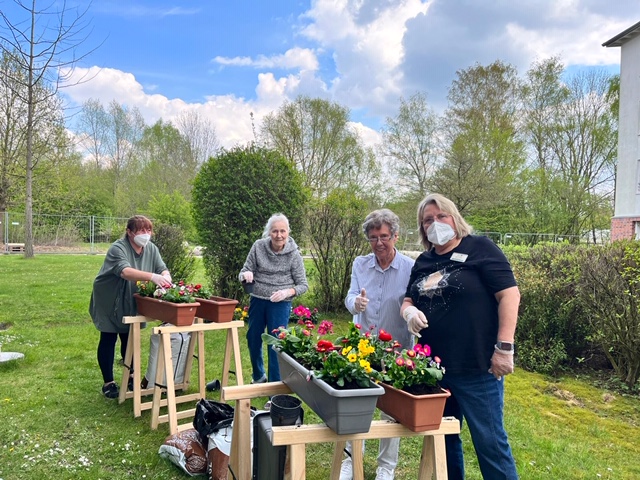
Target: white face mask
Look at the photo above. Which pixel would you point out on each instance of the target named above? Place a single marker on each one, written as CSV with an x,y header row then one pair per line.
x,y
440,233
142,239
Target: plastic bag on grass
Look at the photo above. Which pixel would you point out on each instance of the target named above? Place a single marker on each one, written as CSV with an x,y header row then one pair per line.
x,y
184,450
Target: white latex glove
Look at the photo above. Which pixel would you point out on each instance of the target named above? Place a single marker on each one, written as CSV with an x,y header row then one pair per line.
x,y
248,277
168,277
415,319
501,363
280,295
160,281
361,301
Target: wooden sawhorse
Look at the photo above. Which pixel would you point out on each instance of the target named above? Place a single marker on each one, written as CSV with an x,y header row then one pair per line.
x,y
132,360
165,368
433,462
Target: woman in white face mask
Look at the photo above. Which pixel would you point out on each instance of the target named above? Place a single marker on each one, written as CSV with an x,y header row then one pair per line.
x,y
129,259
462,300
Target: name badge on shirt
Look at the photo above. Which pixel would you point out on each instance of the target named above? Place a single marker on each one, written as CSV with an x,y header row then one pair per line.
x,y
459,257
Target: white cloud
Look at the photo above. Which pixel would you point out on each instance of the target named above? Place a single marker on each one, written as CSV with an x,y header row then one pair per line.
x,y
294,58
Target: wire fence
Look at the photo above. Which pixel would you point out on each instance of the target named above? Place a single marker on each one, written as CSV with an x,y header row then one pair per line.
x,y
90,234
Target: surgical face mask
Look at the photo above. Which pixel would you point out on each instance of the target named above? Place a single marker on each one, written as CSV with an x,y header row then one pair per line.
x,y
142,239
440,233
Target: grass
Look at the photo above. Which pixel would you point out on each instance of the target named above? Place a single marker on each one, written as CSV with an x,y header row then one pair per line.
x,y
55,424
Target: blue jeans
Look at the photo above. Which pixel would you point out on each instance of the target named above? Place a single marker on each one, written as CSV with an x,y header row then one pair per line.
x,y
265,314
479,399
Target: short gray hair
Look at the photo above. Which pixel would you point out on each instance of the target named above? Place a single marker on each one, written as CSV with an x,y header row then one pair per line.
x,y
276,217
377,218
462,228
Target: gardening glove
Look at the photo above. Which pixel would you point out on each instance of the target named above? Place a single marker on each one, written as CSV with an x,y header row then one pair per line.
x,y
501,363
160,281
361,301
280,295
167,275
415,319
247,277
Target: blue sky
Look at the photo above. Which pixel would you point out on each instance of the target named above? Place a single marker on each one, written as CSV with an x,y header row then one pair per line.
x,y
227,58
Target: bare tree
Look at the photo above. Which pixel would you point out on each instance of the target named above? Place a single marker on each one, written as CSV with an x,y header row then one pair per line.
x,y
93,129
200,133
410,139
46,54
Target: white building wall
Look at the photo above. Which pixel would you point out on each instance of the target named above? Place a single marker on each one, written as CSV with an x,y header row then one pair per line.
x,y
628,170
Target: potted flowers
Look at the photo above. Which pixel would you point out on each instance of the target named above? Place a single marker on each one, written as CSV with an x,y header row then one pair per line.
x,y
176,305
334,380
412,395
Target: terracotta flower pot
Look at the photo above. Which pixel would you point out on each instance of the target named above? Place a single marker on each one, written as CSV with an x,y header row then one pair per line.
x,y
418,413
344,411
179,314
216,309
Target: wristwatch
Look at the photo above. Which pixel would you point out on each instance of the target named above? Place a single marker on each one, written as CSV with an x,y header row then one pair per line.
x,y
506,346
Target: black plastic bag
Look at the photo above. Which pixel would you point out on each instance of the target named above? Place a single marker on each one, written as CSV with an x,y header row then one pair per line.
x,y
210,417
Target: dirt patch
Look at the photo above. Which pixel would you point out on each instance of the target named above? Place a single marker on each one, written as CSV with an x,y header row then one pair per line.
x,y
4,326
565,395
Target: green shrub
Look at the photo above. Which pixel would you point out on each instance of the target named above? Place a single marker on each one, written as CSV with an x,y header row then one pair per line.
x,y
234,194
180,261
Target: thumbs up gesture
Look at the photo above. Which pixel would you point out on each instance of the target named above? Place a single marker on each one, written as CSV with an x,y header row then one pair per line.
x,y
361,301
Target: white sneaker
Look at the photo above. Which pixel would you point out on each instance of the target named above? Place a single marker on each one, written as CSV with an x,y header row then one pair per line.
x,y
346,470
384,474
263,379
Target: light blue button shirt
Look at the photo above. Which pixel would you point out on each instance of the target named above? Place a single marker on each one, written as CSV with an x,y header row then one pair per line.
x,y
385,290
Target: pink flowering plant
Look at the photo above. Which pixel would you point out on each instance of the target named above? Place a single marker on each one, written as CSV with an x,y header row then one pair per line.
x,y
303,313
413,370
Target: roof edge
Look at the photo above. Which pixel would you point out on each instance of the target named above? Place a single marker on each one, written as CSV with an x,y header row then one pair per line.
x,y
628,34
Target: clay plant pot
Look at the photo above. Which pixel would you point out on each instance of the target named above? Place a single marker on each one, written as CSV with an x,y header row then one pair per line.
x,y
178,314
418,413
216,309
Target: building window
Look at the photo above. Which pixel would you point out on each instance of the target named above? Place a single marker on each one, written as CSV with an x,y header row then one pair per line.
x,y
637,233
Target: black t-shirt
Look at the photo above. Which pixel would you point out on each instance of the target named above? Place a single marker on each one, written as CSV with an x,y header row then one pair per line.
x,y
456,292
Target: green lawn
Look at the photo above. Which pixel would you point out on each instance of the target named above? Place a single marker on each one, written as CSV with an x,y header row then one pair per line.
x,y
55,424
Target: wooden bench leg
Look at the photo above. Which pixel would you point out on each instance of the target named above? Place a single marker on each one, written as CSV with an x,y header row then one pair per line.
x,y
357,460
241,441
433,461
296,460
337,460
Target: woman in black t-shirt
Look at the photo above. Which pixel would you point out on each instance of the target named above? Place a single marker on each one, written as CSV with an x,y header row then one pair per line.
x,y
462,300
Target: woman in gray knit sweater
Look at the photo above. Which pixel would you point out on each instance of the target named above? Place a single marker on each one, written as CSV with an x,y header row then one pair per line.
x,y
275,266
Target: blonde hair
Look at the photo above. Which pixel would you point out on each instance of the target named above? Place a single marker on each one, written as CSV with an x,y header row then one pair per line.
x,y
461,227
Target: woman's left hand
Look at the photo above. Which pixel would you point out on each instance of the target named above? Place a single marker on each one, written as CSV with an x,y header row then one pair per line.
x,y
280,295
501,364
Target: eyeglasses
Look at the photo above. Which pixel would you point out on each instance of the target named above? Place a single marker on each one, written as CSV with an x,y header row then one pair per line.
x,y
381,238
441,217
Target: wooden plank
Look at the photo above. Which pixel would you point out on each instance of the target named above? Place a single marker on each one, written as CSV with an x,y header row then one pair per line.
x,y
291,435
256,390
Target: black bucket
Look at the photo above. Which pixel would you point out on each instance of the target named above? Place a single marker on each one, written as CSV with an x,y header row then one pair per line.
x,y
247,287
285,410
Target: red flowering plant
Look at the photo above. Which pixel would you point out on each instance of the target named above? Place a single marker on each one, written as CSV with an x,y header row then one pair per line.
x,y
413,370
383,343
180,292
340,365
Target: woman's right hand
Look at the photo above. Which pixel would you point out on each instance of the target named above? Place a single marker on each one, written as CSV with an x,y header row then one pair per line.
x,y
247,277
160,281
415,319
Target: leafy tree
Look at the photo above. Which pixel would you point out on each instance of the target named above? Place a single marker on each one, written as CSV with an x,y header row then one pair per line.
x,y
410,140
316,136
335,233
572,128
233,196
484,150
173,209
44,53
